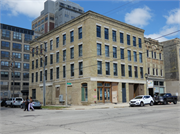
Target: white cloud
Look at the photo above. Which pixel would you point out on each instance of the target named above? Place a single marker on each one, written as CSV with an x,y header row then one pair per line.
x,y
31,8
139,17
174,17
154,36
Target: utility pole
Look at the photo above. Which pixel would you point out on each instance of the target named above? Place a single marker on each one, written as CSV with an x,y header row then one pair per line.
x,y
13,73
66,81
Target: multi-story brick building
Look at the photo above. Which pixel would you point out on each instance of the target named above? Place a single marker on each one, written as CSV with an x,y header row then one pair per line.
x,y
14,42
103,59
155,66
55,13
172,66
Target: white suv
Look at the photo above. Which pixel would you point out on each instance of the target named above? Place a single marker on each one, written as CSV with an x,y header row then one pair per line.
x,y
141,100
17,101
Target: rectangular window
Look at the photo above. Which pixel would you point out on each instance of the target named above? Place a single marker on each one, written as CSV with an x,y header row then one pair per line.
x,y
140,45
32,52
148,70
106,33
106,50
147,53
121,38
140,58
129,55
26,75
17,36
46,74
51,45
80,51
5,44
57,42
51,74
155,55
107,68
41,62
4,63
17,65
128,39
114,52
40,75
51,59
122,53
37,50
160,56
5,33
98,31
72,52
153,72
37,63
72,36
80,68
57,73
115,69
99,67
26,48
41,49
26,66
5,74
16,46
134,41
84,92
161,72
57,57
64,71
130,70
98,49
135,56
141,72
135,72
46,61
72,70
156,71
16,74
32,64
17,55
114,35
27,37
122,70
45,46
32,77
26,56
152,54
36,76
64,55
80,32
64,39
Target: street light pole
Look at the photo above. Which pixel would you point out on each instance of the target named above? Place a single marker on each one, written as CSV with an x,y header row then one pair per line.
x,y
13,74
66,82
146,76
44,86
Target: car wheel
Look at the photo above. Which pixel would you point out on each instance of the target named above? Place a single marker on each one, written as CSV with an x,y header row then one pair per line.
x,y
5,105
151,103
142,104
175,101
164,102
131,105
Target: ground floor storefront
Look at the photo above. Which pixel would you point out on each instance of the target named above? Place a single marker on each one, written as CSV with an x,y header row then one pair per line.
x,y
87,91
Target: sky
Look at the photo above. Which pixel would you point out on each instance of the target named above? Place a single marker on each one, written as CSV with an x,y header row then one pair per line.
x,y
156,17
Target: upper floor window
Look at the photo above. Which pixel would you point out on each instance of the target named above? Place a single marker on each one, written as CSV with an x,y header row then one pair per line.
x,y
141,72
106,33
32,64
80,32
17,55
16,46
130,70
26,56
135,56
57,57
107,68
80,50
45,61
17,36
98,49
5,54
80,68
155,55
64,39
17,65
122,53
57,73
98,31
5,44
140,58
134,41
32,77
26,66
160,56
147,53
64,55
51,45
140,45
4,74
64,71
135,72
72,70
106,50
122,70
36,63
16,74
121,38
57,42
114,52
5,33
27,37
72,53
99,67
45,46
4,63
26,47
156,71
152,54
129,55
25,75
114,35
72,36
115,69
51,59
51,74
128,39
46,18
41,62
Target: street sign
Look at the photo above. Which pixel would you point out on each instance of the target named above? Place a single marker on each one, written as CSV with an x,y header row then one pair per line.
x,y
69,84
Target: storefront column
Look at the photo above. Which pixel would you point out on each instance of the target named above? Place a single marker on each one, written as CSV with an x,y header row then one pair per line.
x,y
127,92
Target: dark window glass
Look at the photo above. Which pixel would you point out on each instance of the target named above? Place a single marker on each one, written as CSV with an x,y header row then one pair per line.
x,y
140,45
140,57
27,37
26,66
80,32
148,70
40,75
156,71
46,74
152,54
45,47
114,52
5,33
122,53
46,61
16,46
16,74
122,70
135,56
25,75
5,44
115,69
32,64
155,55
99,67
36,76
32,77
72,36
5,74
57,73
80,68
51,59
147,53
107,68
57,57
51,74
72,53
98,31
5,63
17,55
64,55
26,47
153,72
129,55
114,35
41,62
134,41
51,45
135,72
130,70
57,42
37,63
64,71
17,36
72,70
141,72
26,56
80,50
98,49
106,33
64,39
128,39
121,38
106,50
160,56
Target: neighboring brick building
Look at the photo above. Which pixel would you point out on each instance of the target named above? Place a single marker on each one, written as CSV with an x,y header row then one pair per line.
x,y
155,66
172,65
104,60
14,41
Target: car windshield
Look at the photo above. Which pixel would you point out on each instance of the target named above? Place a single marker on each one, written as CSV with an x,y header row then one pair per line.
x,y
19,99
161,94
138,97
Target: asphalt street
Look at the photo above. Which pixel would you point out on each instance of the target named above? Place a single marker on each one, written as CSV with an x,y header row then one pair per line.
x,y
158,119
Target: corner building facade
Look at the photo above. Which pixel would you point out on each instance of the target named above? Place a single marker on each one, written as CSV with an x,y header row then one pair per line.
x,y
102,58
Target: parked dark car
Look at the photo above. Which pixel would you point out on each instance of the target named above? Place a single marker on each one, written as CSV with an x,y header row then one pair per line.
x,y
3,102
35,103
164,98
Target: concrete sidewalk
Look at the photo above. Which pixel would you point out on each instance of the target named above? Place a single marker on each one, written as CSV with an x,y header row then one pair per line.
x,y
94,106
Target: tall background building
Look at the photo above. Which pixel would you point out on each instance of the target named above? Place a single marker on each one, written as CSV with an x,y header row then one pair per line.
x,y
55,13
14,42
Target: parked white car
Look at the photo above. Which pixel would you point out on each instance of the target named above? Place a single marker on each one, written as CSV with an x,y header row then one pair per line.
x,y
141,100
17,101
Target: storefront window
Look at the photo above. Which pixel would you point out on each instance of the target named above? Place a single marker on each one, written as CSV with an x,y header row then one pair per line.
x,y
161,83
84,92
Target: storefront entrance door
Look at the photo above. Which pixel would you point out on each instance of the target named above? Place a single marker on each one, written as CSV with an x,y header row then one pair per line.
x,y
104,93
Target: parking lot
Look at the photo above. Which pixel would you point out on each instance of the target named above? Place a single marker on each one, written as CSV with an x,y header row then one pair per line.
x,y
157,119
